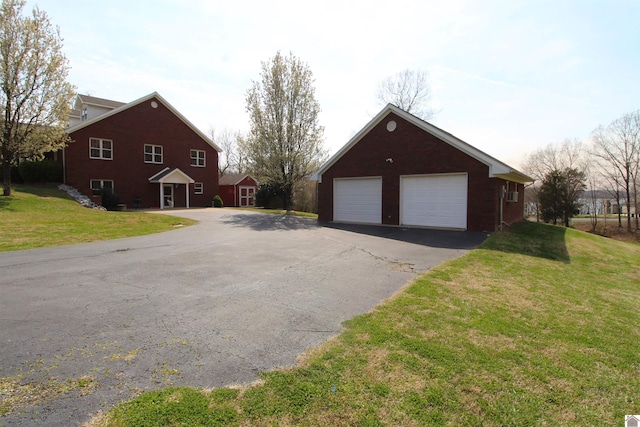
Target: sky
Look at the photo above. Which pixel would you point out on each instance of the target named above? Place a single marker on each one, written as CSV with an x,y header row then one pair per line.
x,y
507,77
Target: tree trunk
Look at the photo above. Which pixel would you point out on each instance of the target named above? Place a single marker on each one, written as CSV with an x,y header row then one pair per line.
x,y
628,203
6,172
594,212
635,200
619,216
288,197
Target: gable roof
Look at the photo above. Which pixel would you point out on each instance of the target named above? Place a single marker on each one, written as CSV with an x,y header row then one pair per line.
x,y
124,107
171,176
101,102
497,168
233,178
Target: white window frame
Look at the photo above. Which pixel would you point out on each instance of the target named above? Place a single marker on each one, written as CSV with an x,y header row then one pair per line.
x,y
101,182
198,158
198,188
101,149
156,157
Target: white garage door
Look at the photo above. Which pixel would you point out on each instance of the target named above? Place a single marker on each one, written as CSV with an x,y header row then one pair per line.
x,y
434,201
357,200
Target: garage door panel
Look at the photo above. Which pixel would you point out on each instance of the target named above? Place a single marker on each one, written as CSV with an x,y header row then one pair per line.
x,y
434,201
357,200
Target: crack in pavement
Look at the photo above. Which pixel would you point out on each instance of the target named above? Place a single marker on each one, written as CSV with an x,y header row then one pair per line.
x,y
402,266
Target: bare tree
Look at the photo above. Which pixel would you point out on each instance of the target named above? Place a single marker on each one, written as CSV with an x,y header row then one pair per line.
x,y
408,90
34,95
593,186
617,147
231,159
284,144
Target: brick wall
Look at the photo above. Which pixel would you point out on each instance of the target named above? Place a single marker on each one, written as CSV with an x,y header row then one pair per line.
x,y
130,130
415,151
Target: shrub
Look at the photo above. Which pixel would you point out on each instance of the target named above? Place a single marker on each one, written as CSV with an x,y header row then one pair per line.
x,y
270,196
15,175
217,201
110,200
40,171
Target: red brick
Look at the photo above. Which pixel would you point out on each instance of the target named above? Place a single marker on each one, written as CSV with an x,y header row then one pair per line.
x,y
130,130
415,151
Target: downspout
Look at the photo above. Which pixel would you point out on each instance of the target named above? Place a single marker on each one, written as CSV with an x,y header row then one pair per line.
x,y
502,191
64,166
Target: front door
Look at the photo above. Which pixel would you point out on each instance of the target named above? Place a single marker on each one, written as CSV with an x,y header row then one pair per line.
x,y
167,195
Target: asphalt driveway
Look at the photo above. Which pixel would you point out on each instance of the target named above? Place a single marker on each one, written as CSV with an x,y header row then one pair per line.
x,y
207,305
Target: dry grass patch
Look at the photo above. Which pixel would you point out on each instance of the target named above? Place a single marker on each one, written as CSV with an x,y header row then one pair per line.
x,y
16,394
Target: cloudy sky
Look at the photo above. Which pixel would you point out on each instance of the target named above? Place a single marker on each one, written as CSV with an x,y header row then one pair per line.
x,y
507,76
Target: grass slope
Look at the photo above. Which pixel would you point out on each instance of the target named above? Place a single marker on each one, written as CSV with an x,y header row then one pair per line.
x,y
36,216
539,326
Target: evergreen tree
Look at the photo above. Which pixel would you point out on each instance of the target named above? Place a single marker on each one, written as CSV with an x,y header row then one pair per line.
x,y
559,195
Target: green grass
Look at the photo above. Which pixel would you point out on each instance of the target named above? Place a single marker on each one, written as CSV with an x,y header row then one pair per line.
x,y
539,326
38,216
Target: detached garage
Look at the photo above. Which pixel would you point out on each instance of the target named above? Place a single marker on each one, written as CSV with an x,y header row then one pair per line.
x,y
401,170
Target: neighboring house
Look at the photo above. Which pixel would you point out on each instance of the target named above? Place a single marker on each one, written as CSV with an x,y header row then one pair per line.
x,y
238,189
401,170
148,153
597,202
87,107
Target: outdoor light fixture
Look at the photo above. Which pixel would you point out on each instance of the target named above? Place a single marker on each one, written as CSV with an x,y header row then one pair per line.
x,y
389,160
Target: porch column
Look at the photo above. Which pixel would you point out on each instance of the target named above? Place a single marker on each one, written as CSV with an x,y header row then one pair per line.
x,y
161,196
187,191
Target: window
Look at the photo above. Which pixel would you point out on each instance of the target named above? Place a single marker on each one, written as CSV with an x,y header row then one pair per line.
x,y
152,153
198,158
85,114
100,148
198,188
100,184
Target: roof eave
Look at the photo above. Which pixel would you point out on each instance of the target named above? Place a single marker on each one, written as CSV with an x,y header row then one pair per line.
x,y
514,176
317,176
166,174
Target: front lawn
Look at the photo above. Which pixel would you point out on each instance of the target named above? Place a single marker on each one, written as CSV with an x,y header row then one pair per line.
x,y
40,216
538,327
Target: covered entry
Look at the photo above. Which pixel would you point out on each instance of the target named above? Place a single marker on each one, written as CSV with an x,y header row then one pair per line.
x,y
169,180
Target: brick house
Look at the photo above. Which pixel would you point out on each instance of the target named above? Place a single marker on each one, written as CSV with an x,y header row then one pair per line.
x,y
148,153
238,189
401,170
